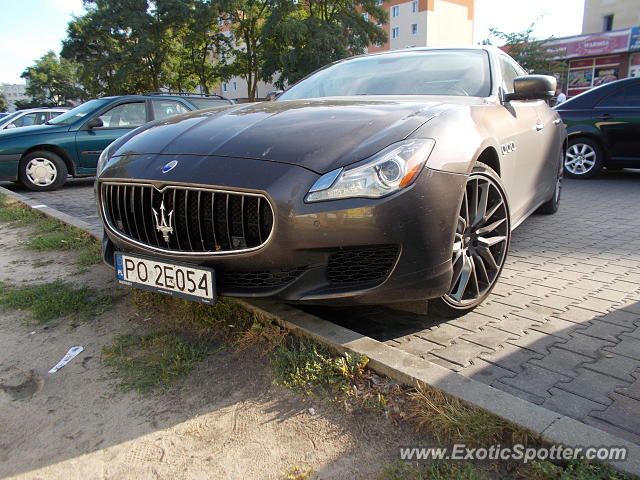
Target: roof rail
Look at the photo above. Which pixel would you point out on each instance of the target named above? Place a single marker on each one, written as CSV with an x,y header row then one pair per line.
x,y
186,94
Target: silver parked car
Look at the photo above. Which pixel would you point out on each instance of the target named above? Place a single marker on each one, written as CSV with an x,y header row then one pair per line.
x,y
29,117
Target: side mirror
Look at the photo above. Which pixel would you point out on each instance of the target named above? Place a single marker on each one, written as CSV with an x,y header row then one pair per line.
x,y
95,123
532,87
273,94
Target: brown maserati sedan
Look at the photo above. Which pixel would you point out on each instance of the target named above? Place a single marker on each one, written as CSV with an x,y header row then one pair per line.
x,y
392,178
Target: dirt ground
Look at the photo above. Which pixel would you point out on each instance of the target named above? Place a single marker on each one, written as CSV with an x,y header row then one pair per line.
x,y
226,420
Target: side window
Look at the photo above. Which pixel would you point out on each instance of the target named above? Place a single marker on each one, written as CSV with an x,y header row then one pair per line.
x,y
125,115
509,73
632,95
166,108
54,114
41,117
623,97
616,99
25,120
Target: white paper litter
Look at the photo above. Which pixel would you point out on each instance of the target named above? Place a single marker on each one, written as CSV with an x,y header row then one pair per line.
x,y
71,354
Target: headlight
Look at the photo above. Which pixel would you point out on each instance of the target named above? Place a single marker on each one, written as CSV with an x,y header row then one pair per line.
x,y
392,169
104,157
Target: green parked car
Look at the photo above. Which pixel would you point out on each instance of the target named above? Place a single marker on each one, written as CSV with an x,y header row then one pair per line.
x,y
41,157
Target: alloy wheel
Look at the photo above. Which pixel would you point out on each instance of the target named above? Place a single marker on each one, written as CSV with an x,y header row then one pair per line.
x,y
580,158
41,172
481,241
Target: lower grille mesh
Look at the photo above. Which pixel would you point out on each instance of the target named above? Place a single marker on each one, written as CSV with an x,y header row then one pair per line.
x,y
361,264
260,279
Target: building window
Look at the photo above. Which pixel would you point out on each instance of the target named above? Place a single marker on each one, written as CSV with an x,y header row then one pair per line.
x,y
365,15
235,85
395,32
224,87
395,11
414,7
607,23
220,21
380,2
414,29
377,44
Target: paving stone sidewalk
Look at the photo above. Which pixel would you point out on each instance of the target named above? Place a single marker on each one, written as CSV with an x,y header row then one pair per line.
x,y
562,327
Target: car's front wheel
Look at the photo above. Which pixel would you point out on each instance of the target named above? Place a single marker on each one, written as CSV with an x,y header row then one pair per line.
x,y
583,158
480,246
42,170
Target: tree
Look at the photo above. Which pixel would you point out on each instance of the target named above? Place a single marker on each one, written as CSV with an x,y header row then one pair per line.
x,y
246,19
52,81
3,102
529,52
123,45
200,48
304,36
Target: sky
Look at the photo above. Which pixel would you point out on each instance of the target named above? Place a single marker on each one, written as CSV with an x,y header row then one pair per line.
x,y
30,28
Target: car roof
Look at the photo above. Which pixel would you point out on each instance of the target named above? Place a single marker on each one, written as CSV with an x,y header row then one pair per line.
x,y
43,109
591,97
171,95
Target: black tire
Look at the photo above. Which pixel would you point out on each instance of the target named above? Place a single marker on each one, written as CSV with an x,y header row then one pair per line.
x,y
480,245
551,206
42,171
584,158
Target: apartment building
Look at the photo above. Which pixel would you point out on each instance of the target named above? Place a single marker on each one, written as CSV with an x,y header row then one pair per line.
x,y
422,23
14,92
608,15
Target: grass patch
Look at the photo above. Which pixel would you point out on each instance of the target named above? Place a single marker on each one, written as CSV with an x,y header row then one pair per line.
x,y
451,420
225,321
436,470
41,263
579,470
458,470
153,360
49,233
305,366
48,301
13,211
297,473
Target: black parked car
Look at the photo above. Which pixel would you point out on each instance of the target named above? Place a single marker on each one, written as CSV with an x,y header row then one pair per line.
x,y
604,129
387,178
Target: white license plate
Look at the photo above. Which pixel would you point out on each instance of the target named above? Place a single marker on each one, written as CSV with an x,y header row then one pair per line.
x,y
179,280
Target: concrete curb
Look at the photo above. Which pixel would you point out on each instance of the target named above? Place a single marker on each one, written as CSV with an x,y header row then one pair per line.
x,y
409,370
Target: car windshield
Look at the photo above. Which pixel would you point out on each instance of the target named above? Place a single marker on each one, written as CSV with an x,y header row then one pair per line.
x,y
8,118
77,113
435,72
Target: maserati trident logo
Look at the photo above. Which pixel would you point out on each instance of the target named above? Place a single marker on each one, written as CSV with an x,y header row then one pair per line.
x,y
169,166
164,223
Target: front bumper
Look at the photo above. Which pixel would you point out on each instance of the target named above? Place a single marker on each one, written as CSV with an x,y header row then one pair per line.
x,y
321,252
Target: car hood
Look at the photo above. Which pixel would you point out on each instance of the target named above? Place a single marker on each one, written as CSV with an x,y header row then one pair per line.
x,y
318,134
32,130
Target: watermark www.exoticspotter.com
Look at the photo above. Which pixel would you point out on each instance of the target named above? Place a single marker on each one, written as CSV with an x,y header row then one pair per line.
x,y
519,452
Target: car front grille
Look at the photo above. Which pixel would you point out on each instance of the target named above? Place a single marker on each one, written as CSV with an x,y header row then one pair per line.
x,y
186,219
361,264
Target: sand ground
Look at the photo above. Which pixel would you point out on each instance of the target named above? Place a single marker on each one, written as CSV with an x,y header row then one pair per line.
x,y
225,421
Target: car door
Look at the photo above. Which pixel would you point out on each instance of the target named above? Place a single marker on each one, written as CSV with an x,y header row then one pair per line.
x,y
522,155
618,118
116,121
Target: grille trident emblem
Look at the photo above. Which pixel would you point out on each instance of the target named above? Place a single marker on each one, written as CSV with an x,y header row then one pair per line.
x,y
164,224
